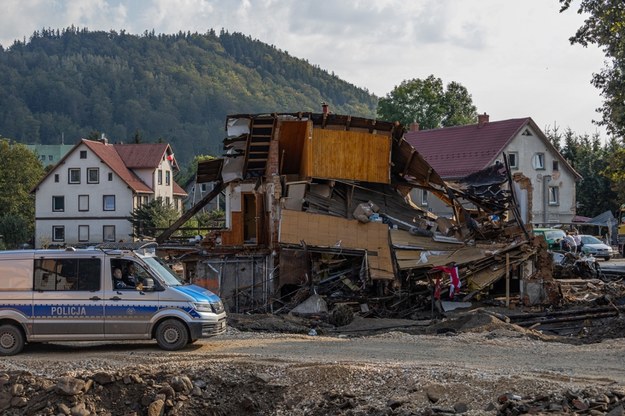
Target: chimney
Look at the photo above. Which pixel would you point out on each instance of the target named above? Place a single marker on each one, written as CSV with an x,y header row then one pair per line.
x,y
324,108
482,119
414,126
103,139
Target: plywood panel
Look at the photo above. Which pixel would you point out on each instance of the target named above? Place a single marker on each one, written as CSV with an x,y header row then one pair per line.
x,y
234,236
340,154
327,231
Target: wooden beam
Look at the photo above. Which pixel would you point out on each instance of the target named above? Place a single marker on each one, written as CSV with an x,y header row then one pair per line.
x,y
219,186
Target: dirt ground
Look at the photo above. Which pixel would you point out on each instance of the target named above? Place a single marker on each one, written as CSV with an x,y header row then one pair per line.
x,y
473,364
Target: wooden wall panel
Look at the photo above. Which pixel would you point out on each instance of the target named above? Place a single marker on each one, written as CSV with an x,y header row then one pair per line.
x,y
327,231
351,155
234,236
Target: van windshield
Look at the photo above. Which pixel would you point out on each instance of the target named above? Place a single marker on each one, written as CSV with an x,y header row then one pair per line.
x,y
167,275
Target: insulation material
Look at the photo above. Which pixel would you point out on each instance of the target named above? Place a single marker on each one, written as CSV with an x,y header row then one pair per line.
x,y
238,126
295,195
327,231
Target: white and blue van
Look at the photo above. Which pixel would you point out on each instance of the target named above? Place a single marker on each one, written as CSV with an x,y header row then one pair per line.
x,y
71,295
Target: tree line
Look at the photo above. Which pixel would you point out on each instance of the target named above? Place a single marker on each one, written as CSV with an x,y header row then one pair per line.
x,y
67,84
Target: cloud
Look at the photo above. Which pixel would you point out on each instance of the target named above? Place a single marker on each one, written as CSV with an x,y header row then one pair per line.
x,y
513,57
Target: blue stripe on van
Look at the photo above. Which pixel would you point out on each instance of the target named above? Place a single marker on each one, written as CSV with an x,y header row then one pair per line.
x,y
26,309
68,311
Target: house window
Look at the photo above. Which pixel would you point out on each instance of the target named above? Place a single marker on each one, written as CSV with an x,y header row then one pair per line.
x,y
538,161
93,175
58,203
424,197
43,157
58,233
50,157
108,233
167,201
56,177
167,177
145,200
110,176
83,154
556,165
554,195
513,160
83,233
203,187
108,202
73,175
83,202
160,177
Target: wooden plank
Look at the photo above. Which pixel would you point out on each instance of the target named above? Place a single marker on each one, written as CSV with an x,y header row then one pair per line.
x,y
234,236
333,153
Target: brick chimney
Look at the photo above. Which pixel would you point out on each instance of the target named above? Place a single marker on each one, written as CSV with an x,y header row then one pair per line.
x,y
324,108
482,119
414,126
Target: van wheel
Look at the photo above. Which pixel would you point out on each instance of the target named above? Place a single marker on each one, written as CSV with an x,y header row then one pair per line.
x,y
172,335
11,340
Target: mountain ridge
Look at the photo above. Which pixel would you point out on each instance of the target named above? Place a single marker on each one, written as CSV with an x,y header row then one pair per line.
x,y
75,83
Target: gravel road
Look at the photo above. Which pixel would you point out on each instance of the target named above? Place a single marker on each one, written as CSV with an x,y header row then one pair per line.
x,y
315,373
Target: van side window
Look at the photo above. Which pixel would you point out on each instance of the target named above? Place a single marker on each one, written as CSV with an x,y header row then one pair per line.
x,y
67,274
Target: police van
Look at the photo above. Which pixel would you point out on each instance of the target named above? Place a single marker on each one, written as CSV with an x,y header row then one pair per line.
x,y
72,295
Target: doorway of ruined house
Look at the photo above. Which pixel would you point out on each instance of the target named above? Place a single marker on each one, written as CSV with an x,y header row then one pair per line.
x,y
249,218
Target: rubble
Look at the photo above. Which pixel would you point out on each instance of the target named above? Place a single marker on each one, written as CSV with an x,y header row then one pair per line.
x,y
320,204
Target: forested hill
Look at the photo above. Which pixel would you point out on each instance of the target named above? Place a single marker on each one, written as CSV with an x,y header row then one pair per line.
x,y
73,83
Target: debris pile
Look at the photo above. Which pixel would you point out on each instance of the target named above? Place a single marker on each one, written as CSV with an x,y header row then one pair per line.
x,y
611,403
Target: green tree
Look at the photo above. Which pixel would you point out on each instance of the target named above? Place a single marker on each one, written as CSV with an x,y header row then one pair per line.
x,y
150,219
20,171
615,169
428,103
605,27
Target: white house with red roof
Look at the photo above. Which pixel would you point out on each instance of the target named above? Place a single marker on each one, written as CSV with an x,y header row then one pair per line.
x,y
455,152
88,196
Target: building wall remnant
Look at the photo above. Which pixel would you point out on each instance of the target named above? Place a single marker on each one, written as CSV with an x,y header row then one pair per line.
x,y
318,204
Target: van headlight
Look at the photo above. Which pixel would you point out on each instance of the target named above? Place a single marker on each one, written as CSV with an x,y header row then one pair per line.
x,y
202,307
218,307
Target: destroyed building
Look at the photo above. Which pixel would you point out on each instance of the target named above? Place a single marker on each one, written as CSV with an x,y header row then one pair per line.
x,y
318,204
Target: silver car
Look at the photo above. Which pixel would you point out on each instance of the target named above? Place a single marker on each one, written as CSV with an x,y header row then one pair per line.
x,y
592,245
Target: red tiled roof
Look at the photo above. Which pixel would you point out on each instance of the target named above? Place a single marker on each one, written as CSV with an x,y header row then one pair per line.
x,y
110,156
455,152
142,155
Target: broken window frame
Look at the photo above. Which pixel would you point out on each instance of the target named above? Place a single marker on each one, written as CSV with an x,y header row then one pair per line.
x,y
513,160
538,161
554,195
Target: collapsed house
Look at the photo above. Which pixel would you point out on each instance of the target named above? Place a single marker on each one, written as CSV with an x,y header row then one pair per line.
x,y
317,204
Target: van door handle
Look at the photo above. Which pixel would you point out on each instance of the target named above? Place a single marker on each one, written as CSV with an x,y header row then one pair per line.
x,y
115,298
95,298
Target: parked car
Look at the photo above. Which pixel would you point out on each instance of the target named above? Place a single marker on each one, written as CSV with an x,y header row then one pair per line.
x,y
552,236
592,245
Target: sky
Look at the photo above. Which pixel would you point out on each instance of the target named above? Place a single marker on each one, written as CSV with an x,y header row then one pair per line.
x,y
514,57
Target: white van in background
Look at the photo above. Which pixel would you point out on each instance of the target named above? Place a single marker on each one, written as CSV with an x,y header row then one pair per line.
x,y
70,295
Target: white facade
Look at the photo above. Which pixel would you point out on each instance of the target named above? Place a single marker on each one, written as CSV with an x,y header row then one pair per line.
x,y
84,201
553,183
